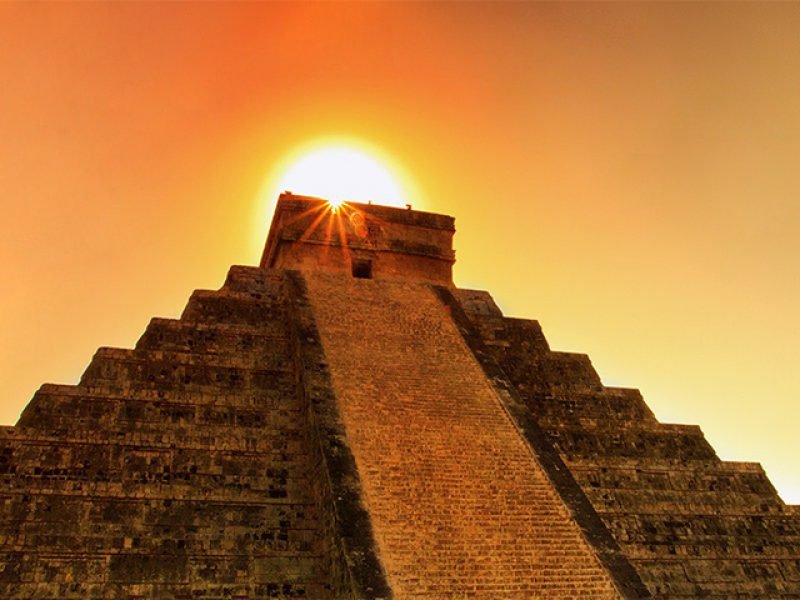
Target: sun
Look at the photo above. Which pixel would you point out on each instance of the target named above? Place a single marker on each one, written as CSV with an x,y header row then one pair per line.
x,y
344,170
339,169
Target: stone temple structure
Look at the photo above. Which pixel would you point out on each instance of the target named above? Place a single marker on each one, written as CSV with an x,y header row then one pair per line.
x,y
343,422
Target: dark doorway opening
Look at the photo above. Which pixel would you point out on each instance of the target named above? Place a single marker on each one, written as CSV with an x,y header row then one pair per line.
x,y
362,269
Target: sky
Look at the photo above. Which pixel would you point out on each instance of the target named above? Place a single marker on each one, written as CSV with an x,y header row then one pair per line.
x,y
628,174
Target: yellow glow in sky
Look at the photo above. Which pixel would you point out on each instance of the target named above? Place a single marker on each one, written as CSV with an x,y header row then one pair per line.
x,y
342,170
625,173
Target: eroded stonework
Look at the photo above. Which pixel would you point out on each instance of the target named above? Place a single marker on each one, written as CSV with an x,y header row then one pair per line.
x,y
342,422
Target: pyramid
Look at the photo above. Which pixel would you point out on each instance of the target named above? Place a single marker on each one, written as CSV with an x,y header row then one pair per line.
x,y
343,422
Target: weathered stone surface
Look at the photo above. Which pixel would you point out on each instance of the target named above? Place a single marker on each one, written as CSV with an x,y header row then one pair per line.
x,y
343,423
182,468
690,524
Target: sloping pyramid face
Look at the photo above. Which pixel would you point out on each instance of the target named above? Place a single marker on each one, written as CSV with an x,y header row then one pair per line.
x,y
342,422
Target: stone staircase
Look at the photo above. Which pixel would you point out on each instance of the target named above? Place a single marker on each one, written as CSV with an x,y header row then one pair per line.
x,y
459,505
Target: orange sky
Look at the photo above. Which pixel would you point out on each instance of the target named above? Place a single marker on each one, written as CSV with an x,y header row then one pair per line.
x,y
625,173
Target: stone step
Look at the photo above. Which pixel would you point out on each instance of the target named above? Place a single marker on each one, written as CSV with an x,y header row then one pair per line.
x,y
218,588
662,464
207,306
680,502
255,281
478,304
278,574
272,358
277,480
618,405
552,373
721,548
79,406
523,337
114,506
99,493
643,529
213,382
43,522
241,442
59,412
26,456
187,483
212,340
191,397
111,366
697,577
706,476
261,538
656,440
526,358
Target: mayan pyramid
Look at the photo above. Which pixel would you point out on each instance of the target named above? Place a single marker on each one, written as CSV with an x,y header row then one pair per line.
x,y
343,422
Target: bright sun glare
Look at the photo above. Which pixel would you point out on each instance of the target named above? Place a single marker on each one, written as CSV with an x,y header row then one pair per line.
x,y
340,172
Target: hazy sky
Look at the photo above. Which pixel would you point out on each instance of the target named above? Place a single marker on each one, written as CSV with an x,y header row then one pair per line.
x,y
627,174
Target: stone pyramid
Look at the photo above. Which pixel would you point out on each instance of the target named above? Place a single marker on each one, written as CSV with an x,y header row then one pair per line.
x,y
343,422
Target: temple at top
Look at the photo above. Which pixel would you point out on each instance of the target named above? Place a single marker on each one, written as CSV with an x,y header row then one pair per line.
x,y
342,421
367,240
